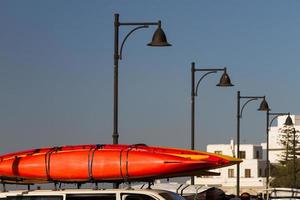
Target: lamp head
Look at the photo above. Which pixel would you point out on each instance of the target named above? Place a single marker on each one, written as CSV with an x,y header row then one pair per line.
x,y
289,121
159,38
225,80
264,106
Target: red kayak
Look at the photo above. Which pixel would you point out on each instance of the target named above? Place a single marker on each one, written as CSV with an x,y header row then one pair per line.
x,y
84,163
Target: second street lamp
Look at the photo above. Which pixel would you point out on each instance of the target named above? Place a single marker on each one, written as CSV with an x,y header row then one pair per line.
x,y
159,39
263,107
224,82
269,123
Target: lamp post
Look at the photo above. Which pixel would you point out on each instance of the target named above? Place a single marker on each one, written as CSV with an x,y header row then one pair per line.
x,y
158,40
289,122
263,107
269,123
224,82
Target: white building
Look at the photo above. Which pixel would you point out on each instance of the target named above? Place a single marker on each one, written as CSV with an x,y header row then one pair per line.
x,y
275,147
252,169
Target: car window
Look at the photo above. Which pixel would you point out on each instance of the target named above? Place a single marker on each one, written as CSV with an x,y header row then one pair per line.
x,y
171,196
92,197
35,198
136,197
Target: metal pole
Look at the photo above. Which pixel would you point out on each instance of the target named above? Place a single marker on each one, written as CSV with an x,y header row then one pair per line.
x,y
267,156
294,158
193,113
238,145
115,134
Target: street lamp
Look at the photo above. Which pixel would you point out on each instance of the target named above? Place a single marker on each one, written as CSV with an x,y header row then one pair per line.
x,y
224,82
263,107
289,122
159,39
269,123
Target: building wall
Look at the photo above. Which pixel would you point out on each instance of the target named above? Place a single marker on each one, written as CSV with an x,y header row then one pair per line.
x,y
256,166
257,180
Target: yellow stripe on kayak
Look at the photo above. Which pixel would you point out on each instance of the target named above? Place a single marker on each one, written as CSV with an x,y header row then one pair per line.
x,y
204,155
229,158
191,156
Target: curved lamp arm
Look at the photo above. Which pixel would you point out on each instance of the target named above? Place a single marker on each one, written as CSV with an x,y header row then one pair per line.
x,y
273,120
124,40
196,92
241,113
276,116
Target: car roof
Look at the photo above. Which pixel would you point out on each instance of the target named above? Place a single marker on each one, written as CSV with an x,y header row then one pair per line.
x,y
78,191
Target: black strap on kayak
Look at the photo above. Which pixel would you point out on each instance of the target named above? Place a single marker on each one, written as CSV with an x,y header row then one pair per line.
x,y
134,146
126,178
120,165
47,161
91,160
15,166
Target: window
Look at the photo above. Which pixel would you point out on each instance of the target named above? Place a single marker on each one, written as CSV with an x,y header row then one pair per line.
x,y
259,172
35,198
218,152
247,173
92,197
242,154
136,197
230,173
171,196
257,155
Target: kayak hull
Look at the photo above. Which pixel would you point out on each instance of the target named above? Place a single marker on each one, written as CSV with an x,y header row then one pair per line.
x,y
105,163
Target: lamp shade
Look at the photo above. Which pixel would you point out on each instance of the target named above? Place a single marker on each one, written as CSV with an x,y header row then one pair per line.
x,y
225,80
264,106
289,121
159,39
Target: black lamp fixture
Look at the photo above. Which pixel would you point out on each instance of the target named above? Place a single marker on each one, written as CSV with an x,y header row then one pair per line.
x,y
264,106
289,121
159,38
225,80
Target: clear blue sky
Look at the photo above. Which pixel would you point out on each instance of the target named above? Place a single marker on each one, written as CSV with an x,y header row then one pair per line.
x,y
56,70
